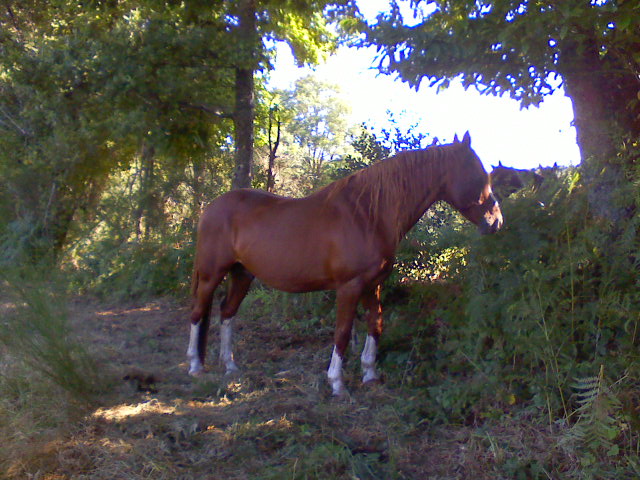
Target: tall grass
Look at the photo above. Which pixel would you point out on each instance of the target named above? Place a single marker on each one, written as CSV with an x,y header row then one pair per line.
x,y
36,332
47,377
552,298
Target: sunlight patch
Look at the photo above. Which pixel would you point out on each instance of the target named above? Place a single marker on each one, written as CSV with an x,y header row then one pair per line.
x,y
121,412
147,308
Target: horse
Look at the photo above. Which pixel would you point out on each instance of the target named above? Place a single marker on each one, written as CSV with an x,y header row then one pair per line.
x,y
506,181
342,237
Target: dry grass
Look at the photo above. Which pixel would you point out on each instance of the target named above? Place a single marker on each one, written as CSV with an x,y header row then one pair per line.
x,y
276,420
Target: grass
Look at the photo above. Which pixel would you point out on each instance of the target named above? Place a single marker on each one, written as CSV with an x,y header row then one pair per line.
x,y
48,380
277,420
516,359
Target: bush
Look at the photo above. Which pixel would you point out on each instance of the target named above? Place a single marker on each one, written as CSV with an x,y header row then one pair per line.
x,y
132,269
519,318
47,377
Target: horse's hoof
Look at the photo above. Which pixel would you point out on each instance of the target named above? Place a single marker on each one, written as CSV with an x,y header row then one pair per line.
x,y
377,380
196,369
343,396
232,372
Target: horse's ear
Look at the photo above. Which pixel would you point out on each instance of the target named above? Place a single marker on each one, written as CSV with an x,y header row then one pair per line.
x,y
466,140
455,138
500,163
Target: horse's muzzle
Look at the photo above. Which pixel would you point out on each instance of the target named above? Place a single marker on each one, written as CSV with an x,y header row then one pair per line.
x,y
491,224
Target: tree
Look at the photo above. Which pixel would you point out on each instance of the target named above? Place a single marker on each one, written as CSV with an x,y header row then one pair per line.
x,y
517,47
273,144
86,89
316,128
370,146
89,88
303,25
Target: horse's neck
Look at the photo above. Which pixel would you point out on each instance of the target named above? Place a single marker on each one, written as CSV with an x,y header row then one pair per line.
x,y
396,195
423,189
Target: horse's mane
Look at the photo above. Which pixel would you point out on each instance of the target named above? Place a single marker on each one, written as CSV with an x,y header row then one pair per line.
x,y
396,185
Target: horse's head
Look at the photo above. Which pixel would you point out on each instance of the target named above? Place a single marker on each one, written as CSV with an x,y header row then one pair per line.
x,y
468,188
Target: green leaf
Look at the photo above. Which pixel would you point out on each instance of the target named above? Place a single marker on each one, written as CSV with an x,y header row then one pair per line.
x,y
613,451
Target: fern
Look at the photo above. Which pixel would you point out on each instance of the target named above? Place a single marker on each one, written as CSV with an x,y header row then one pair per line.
x,y
597,426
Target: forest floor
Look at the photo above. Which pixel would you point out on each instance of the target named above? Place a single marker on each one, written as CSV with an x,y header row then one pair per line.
x,y
276,419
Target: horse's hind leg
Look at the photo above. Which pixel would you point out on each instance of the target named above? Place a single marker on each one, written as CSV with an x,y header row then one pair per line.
x,y
200,317
371,302
240,281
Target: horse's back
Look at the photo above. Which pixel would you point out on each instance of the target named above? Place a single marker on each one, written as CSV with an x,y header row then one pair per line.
x,y
291,244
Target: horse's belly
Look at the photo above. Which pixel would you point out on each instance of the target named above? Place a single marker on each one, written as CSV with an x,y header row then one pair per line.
x,y
289,275
298,250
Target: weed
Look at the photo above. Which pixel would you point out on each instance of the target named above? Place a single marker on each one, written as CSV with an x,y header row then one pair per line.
x,y
47,377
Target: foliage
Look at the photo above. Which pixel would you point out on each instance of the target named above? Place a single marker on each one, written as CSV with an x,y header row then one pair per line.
x,y
316,133
89,89
302,311
501,46
371,145
597,426
85,91
527,50
543,289
119,255
37,333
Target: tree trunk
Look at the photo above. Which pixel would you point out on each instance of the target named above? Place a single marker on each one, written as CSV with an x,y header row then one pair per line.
x,y
243,128
51,230
244,109
273,149
600,96
63,209
146,198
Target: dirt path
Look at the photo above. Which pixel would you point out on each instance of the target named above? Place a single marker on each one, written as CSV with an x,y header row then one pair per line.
x,y
276,420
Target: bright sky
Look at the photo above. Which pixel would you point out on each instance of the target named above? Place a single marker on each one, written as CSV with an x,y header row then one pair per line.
x,y
500,131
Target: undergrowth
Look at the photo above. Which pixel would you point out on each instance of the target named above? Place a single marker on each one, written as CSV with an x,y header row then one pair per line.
x,y
522,317
115,269
47,377
538,323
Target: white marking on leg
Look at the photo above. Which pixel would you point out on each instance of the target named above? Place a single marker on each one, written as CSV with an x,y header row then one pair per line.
x,y
334,374
368,360
226,345
195,366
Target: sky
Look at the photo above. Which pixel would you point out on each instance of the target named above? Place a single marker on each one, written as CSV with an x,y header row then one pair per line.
x,y
500,130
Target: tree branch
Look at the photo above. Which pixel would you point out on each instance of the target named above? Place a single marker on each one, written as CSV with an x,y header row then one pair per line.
x,y
22,131
211,110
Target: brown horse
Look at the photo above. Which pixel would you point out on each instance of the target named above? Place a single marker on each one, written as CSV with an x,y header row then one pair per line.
x,y
342,238
505,181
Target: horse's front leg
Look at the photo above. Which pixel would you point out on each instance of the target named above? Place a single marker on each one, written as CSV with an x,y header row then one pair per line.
x,y
347,302
371,302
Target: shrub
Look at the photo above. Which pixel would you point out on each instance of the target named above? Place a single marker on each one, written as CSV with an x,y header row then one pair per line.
x,y
132,269
550,298
47,377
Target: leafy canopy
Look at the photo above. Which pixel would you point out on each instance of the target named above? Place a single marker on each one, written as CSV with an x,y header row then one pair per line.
x,y
501,47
